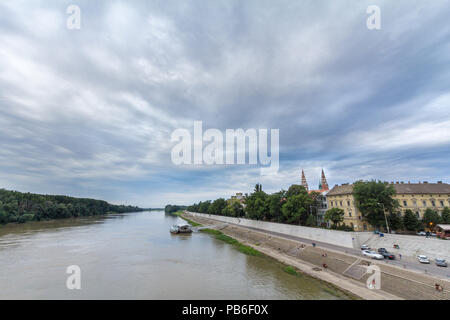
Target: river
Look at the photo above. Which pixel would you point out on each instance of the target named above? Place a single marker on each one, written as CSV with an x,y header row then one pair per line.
x,y
133,256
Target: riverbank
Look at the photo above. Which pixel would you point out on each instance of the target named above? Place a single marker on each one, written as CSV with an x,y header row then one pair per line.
x,y
287,266
343,270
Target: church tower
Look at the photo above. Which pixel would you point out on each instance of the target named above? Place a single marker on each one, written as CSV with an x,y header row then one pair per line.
x,y
304,183
323,182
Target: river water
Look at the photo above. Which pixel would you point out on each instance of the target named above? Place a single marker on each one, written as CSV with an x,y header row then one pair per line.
x,y
133,256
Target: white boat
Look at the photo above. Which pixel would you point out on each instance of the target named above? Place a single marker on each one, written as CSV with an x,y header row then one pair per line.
x,y
182,228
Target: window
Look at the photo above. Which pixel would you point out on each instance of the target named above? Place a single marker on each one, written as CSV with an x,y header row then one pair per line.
x,y
424,203
417,214
415,203
442,203
349,213
348,203
365,226
433,203
340,203
405,203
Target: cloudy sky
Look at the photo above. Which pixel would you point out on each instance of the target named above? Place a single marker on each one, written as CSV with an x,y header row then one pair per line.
x,y
90,112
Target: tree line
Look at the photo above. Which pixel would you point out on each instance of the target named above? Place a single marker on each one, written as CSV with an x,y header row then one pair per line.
x,y
292,206
297,206
21,207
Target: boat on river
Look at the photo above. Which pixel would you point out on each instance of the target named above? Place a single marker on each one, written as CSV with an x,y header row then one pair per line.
x,y
181,228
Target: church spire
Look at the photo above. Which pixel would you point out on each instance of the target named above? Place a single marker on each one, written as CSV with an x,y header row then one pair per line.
x,y
324,182
304,183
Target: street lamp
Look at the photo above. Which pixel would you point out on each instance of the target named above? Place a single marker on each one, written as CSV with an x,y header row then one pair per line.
x,y
385,217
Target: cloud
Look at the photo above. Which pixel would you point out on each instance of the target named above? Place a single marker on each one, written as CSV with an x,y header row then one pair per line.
x,y
90,112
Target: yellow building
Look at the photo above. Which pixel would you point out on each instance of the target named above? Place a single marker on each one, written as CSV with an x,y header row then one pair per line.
x,y
415,196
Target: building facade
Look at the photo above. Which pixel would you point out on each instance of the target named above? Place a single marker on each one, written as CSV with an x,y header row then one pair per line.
x,y
322,205
417,197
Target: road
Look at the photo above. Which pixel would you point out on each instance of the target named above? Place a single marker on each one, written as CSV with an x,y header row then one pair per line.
x,y
406,262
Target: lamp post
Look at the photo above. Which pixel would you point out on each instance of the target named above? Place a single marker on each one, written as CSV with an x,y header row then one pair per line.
x,y
385,217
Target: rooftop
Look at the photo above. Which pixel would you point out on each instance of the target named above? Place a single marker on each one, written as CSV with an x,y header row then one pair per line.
x,y
400,188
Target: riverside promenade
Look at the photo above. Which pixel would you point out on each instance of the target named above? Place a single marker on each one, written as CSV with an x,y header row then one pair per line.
x,y
345,267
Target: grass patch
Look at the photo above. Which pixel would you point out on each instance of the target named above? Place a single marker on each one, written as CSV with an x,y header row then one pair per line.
x,y
241,247
192,223
291,270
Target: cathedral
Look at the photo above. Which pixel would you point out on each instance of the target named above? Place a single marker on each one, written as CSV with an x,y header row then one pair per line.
x,y
323,184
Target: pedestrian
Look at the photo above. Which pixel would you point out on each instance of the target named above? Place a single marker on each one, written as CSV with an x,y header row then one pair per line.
x,y
400,256
313,244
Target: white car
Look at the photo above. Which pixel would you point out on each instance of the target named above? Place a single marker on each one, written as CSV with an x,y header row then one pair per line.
x,y
423,259
372,254
364,247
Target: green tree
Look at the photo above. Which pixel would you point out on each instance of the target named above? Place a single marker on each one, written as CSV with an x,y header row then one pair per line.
x,y
274,203
431,218
296,208
295,189
372,197
204,206
446,215
258,187
256,205
410,221
395,221
233,209
217,206
311,221
335,215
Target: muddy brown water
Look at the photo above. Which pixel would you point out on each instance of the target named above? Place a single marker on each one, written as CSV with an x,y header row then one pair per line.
x,y
134,256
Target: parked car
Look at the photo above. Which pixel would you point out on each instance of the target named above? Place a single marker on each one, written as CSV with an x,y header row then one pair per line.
x,y
386,254
423,259
372,254
364,247
421,233
441,262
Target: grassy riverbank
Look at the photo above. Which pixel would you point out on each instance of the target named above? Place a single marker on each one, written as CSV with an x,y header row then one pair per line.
x,y
241,247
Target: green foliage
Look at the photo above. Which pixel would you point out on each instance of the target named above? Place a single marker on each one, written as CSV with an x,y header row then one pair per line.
x,y
233,209
410,221
21,207
335,215
217,206
241,247
446,215
296,208
274,204
370,197
171,208
311,221
431,218
291,270
395,221
295,189
256,205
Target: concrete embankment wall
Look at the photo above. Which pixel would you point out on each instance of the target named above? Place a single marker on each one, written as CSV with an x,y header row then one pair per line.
x,y
335,237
